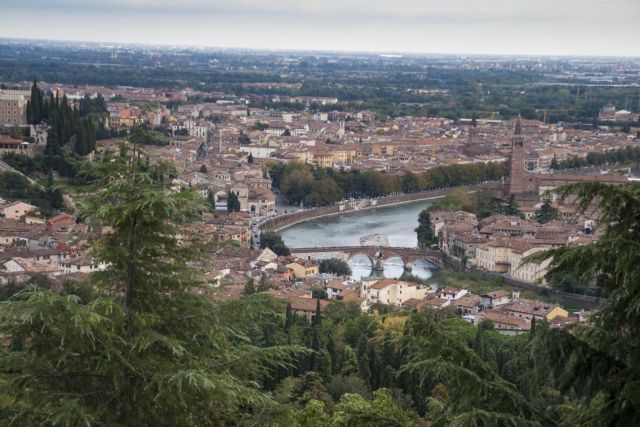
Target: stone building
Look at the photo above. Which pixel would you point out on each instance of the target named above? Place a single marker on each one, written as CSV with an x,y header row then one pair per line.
x,y
13,106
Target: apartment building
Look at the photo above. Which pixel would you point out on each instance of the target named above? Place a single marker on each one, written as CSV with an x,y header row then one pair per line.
x,y
13,106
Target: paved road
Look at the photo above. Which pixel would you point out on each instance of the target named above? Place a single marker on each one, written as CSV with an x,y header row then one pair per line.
x,y
6,168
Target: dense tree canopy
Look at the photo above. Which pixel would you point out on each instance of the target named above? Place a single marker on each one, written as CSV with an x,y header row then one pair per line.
x,y
315,186
335,266
146,350
274,242
138,348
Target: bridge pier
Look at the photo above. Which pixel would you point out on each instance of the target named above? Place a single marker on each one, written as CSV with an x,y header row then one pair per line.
x,y
377,255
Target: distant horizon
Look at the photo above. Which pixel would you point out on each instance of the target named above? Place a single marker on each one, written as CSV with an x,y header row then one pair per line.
x,y
312,51
585,28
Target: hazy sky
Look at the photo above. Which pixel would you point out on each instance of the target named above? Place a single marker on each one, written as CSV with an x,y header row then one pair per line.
x,y
576,27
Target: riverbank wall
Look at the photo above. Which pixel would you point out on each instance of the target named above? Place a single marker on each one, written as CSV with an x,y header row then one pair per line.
x,y
281,222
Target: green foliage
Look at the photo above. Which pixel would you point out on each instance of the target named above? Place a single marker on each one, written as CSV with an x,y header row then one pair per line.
x,y
316,186
426,237
629,154
319,293
211,201
598,362
546,213
335,266
274,242
313,415
249,287
92,106
14,186
24,163
140,135
146,350
233,203
440,356
354,410
352,384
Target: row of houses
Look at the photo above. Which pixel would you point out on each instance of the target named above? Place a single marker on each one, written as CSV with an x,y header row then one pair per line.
x,y
509,313
500,243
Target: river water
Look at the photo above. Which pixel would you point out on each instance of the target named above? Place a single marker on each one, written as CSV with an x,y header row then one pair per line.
x,y
396,223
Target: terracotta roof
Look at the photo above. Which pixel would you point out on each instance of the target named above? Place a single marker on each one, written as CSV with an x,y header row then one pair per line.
x,y
434,302
31,266
336,284
527,306
381,284
306,304
469,301
500,317
496,294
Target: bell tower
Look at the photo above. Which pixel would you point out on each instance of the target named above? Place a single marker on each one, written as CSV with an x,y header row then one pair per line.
x,y
517,178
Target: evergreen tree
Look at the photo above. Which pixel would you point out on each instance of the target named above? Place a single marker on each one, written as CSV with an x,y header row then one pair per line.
x,y
146,350
49,178
288,320
233,204
249,287
211,201
317,318
512,206
599,361
547,213
34,108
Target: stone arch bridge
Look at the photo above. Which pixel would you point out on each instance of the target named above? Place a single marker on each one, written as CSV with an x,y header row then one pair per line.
x,y
378,255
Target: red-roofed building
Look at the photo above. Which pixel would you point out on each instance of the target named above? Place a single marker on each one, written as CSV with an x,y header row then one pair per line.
x,y
61,222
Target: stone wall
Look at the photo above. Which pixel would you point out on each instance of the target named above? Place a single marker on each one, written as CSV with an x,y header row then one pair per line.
x,y
283,221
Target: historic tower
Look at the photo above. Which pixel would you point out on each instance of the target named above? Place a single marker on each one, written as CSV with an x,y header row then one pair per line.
x,y
473,130
518,176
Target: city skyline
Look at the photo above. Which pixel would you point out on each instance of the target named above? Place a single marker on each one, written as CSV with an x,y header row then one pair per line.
x,y
546,28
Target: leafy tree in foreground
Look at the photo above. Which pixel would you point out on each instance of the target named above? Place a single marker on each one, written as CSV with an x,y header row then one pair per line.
x,y
599,362
146,351
355,410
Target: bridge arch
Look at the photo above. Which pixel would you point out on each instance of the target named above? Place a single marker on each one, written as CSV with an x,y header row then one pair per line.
x,y
362,255
390,257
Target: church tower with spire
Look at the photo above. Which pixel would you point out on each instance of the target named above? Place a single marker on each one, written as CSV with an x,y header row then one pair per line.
x,y
518,181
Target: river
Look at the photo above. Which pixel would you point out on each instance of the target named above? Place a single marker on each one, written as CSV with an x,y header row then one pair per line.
x,y
396,223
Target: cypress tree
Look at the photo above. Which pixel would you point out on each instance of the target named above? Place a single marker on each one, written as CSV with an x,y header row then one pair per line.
x,y
288,318
533,327
81,140
29,112
36,104
249,287
317,317
211,199
131,356
49,179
